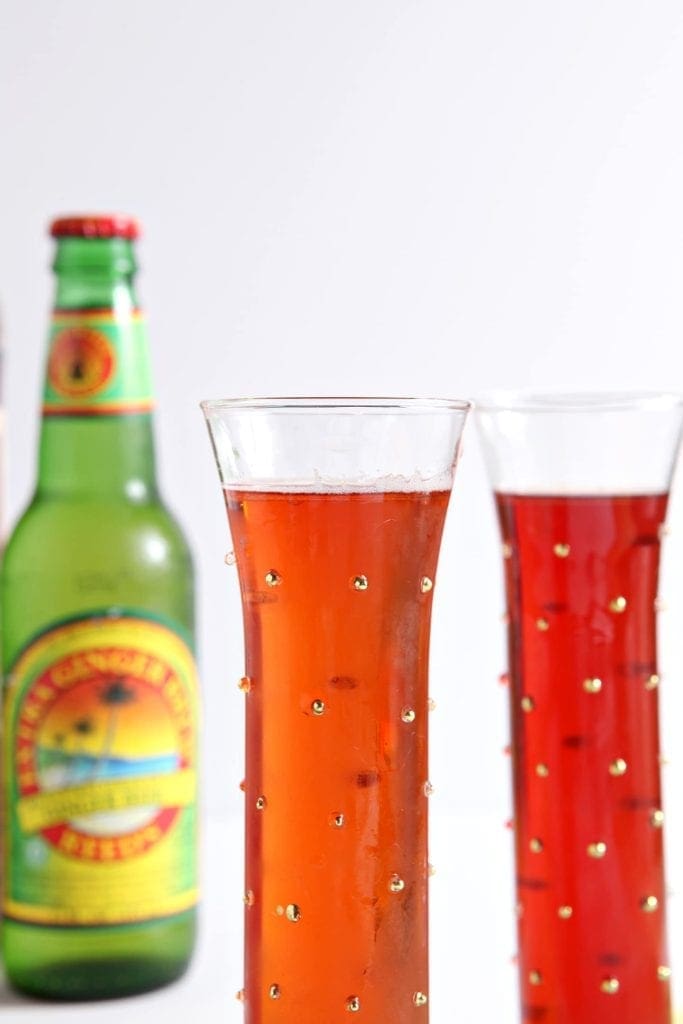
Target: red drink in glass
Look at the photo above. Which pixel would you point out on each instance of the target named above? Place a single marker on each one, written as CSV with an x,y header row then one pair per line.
x,y
581,580
337,594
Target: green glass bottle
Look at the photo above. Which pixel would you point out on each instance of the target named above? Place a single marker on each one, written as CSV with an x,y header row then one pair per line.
x,y
99,695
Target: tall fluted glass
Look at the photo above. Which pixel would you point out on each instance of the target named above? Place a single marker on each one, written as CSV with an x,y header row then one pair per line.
x,y
336,508
581,486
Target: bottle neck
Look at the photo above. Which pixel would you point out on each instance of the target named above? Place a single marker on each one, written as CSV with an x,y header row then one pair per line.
x,y
96,435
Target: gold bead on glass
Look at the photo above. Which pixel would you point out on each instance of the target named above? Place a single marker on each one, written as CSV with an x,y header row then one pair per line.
x,y
293,912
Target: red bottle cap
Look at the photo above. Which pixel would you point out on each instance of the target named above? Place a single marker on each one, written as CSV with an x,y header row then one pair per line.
x,y
95,226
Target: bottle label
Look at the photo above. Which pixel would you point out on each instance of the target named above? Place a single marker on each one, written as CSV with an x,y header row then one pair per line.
x,y
100,775
98,364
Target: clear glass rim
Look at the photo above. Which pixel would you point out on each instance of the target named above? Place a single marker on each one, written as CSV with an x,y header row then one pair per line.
x,y
562,402
336,404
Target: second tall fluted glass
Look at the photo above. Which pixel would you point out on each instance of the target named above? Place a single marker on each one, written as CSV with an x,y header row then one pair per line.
x,y
581,486
336,509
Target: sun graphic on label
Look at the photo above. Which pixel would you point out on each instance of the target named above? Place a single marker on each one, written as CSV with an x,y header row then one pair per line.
x,y
82,362
104,754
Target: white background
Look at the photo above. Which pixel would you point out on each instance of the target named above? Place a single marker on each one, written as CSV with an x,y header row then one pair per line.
x,y
363,197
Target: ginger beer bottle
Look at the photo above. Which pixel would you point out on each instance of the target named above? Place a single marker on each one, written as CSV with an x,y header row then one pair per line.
x,y
99,703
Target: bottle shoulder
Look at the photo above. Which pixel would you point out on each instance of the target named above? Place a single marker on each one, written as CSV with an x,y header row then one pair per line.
x,y
67,560
96,528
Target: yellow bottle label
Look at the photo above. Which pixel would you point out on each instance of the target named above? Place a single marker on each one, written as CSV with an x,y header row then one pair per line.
x,y
100,724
